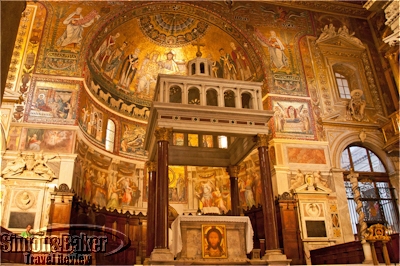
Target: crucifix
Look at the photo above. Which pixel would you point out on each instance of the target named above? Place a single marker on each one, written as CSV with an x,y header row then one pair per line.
x,y
198,44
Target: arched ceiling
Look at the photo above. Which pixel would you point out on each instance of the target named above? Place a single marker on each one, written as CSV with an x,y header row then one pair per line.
x,y
128,49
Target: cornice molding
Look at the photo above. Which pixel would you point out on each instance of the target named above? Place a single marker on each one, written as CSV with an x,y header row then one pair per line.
x,y
327,6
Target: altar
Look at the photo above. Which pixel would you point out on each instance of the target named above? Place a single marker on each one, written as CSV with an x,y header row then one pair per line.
x,y
193,236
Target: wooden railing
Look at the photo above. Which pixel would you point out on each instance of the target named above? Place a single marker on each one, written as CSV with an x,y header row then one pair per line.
x,y
352,253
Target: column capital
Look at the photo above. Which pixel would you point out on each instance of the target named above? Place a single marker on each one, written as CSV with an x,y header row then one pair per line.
x,y
262,140
151,166
233,170
163,134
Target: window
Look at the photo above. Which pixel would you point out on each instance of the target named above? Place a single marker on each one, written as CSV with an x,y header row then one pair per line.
x,y
377,195
202,68
208,141
222,142
361,160
110,136
343,86
178,139
193,140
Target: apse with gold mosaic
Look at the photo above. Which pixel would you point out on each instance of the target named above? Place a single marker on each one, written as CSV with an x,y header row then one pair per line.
x,y
125,60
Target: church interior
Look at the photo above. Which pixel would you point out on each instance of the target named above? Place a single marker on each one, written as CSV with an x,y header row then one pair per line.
x,y
201,132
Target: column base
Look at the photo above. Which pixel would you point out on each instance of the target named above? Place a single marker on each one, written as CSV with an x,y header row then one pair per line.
x,y
161,256
275,257
367,252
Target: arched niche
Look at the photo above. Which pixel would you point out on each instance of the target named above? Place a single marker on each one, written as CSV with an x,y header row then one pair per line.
x,y
212,97
247,100
193,95
175,94
229,98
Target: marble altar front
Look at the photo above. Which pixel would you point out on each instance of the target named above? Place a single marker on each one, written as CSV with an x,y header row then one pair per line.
x,y
189,240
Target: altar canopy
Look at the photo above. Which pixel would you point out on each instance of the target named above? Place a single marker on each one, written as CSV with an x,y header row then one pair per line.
x,y
187,235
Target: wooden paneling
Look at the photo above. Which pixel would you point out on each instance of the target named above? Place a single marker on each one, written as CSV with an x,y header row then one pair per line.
x,y
289,233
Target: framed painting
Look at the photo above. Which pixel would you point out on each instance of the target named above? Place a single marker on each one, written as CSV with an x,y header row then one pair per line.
x,y
214,241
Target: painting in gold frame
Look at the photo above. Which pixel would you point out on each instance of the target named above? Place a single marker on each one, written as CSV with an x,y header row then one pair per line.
x,y
214,242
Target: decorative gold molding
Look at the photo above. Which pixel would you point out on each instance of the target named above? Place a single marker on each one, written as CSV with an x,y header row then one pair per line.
x,y
151,166
163,134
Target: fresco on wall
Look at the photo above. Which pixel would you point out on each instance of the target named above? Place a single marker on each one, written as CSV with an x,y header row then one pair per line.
x,y
249,182
92,120
212,189
52,102
279,34
67,28
177,185
37,139
292,119
14,138
132,139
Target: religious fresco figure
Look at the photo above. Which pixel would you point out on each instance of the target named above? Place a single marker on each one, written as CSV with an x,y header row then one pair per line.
x,y
100,191
41,103
128,70
148,73
275,48
113,196
228,65
279,119
76,22
104,52
241,61
115,60
169,66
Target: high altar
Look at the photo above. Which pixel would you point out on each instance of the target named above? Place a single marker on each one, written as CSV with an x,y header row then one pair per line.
x,y
202,104
189,239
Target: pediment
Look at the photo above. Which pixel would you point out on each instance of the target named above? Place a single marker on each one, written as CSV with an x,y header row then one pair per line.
x,y
313,189
342,42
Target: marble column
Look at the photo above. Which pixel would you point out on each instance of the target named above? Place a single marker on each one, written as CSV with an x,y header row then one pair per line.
x,y
151,212
233,176
273,253
161,251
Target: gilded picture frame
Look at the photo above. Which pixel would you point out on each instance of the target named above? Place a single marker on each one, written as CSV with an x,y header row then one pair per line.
x,y
214,242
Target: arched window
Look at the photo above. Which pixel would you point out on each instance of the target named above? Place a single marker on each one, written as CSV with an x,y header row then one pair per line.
x,y
202,68
194,96
212,97
110,135
229,98
246,101
193,68
343,86
377,195
175,94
